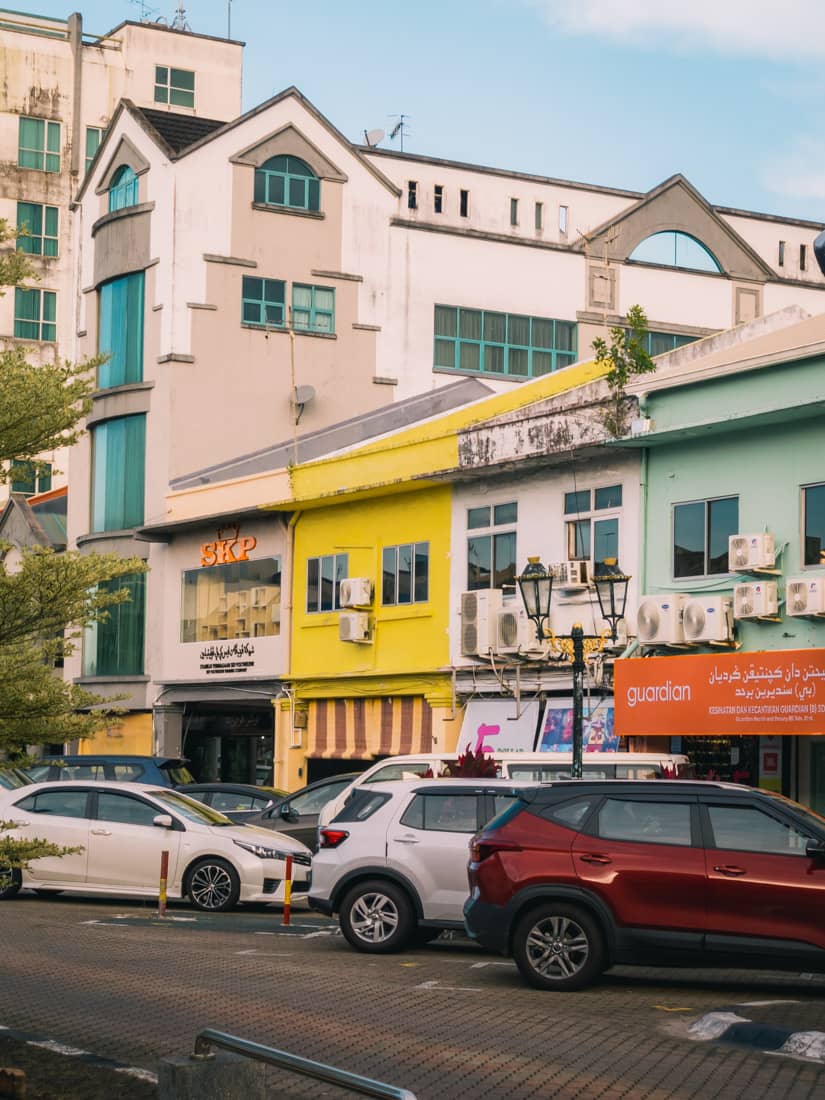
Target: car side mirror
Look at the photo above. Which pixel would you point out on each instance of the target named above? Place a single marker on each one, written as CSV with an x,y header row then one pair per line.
x,y
163,821
815,849
287,813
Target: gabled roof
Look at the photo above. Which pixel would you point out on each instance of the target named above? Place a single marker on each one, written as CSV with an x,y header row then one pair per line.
x,y
179,131
35,521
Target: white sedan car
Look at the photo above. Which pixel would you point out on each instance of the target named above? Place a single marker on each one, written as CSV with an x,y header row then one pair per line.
x,y
120,831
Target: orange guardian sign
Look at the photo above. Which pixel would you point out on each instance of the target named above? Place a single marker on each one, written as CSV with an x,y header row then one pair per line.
x,y
729,695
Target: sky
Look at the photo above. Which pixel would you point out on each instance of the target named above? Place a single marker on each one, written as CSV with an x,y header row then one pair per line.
x,y
620,93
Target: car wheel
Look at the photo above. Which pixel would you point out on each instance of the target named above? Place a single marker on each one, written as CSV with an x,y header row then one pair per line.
x,y
213,885
558,946
10,882
377,917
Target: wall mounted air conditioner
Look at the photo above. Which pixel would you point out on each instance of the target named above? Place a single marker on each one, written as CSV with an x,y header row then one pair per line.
x,y
707,619
571,574
478,615
356,592
514,632
659,619
354,626
755,599
805,595
751,551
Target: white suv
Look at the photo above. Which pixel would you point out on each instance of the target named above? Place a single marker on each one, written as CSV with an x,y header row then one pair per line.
x,y
393,862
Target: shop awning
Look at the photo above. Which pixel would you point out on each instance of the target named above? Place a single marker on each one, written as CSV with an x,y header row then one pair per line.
x,y
255,691
358,729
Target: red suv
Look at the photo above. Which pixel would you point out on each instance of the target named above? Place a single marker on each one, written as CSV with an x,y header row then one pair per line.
x,y
578,876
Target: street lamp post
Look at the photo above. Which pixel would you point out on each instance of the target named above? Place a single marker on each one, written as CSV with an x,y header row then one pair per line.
x,y
536,587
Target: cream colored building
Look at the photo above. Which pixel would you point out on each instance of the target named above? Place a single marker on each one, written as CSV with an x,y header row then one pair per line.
x,y
58,94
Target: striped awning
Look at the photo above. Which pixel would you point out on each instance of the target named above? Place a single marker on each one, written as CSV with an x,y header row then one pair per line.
x,y
357,729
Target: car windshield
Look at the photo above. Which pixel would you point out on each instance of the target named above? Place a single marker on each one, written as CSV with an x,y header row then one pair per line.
x,y
812,818
191,809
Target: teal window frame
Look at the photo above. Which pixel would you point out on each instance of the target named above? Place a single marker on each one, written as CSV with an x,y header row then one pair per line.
x,y
696,256
123,190
492,546
42,224
658,343
38,144
313,308
506,345
35,314
174,86
29,479
94,137
324,576
118,473
263,302
115,646
405,574
287,182
120,330
591,534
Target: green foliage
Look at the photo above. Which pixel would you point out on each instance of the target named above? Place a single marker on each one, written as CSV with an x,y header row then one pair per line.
x,y
625,358
20,853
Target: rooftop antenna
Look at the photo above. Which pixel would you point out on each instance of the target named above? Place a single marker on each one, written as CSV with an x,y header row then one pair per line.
x,y
399,129
180,22
146,12
372,137
228,18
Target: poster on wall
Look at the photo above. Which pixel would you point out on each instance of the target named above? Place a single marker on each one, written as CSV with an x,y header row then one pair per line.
x,y
598,734
499,725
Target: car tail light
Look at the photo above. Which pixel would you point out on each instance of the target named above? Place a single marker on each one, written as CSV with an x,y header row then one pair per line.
x,y
483,849
331,838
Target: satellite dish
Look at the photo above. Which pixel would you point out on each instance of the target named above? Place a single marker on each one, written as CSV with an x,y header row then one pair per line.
x,y
372,137
304,394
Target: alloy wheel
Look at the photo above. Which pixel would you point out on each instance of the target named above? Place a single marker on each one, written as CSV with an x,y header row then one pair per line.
x,y
557,948
374,917
211,886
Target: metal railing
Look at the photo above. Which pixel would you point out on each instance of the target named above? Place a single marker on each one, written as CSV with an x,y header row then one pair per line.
x,y
209,1038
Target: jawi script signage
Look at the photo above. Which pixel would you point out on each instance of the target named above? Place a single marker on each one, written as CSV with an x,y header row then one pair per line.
x,y
727,695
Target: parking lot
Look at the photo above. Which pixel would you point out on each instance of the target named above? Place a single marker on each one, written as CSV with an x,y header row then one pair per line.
x,y
446,1021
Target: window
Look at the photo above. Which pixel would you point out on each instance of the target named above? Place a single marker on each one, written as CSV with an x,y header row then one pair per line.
x,y
701,531
94,136
35,314
40,223
118,460
657,343
405,573
56,803
539,216
324,576
412,195
39,145
501,343
645,822
444,813
313,308
288,182
114,647
125,809
120,330
673,249
235,600
491,549
123,190
28,478
513,211
780,259
563,219
813,509
749,829
803,257
593,535
572,813
464,203
263,301
438,198
174,86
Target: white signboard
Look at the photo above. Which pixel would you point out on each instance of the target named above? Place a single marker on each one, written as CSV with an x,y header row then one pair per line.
x,y
230,658
499,725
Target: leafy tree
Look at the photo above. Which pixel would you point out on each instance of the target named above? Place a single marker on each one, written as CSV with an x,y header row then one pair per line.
x,y
625,358
47,598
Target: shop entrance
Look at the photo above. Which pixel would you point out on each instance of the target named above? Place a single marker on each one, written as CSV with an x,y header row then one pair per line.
x,y
229,744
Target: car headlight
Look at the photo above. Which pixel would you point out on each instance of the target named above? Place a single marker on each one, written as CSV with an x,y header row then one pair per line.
x,y
263,852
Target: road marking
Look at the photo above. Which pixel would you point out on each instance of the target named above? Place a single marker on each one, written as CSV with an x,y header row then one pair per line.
x,y
714,1024
270,954
668,1008
58,1048
141,1074
478,966
439,988
760,1004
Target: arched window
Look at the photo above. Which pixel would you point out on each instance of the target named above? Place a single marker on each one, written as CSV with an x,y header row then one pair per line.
x,y
287,181
123,190
674,249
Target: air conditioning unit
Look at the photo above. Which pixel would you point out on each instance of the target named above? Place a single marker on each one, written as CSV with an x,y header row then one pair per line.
x,y
571,574
805,595
659,619
751,552
707,619
514,632
356,592
354,626
752,600
478,620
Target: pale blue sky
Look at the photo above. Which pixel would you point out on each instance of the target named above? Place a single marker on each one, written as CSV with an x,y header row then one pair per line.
x,y
615,92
